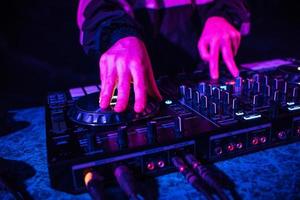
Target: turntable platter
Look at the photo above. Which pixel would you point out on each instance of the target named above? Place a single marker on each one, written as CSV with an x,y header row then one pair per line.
x,y
86,111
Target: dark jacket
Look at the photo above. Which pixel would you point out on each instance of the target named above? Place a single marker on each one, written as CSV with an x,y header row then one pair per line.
x,y
169,28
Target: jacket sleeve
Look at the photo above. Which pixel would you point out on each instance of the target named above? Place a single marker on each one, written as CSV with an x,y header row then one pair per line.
x,y
234,11
104,23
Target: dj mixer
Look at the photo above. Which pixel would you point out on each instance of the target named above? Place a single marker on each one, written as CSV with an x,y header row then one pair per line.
x,y
199,121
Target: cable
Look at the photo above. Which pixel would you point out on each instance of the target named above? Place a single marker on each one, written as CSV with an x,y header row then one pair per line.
x,y
206,174
190,176
94,185
127,183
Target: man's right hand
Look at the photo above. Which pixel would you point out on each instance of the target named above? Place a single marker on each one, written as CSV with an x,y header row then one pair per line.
x,y
125,62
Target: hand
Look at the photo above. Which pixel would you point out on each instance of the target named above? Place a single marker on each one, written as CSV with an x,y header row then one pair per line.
x,y
127,60
218,35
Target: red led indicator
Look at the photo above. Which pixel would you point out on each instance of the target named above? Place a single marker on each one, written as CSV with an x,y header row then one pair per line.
x,y
150,166
255,141
230,147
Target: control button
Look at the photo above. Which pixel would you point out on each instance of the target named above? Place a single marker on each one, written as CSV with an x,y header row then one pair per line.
x,y
263,139
230,147
239,145
150,166
161,163
255,141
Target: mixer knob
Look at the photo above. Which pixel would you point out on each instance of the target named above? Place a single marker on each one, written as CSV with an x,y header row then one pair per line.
x,y
235,104
238,84
277,96
295,93
275,84
209,91
257,100
203,103
226,98
213,108
268,91
285,87
182,91
202,88
249,84
123,137
217,94
151,132
265,80
179,129
256,78
197,98
190,93
225,102
256,87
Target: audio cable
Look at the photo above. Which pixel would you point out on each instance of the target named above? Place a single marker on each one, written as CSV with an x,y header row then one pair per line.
x,y
127,182
94,185
206,174
190,176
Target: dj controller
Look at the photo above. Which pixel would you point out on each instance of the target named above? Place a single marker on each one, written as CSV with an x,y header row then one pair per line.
x,y
199,121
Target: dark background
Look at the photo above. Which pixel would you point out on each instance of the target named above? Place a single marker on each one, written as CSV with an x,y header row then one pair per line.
x,y
40,51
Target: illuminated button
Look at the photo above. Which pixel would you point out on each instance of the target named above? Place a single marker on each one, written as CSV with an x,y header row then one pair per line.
x,y
151,166
239,145
230,147
223,87
263,139
292,108
161,164
290,103
255,141
254,116
239,113
168,102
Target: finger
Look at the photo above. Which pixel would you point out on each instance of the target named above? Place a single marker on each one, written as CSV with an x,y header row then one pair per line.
x,y
236,40
203,48
228,59
123,86
109,84
153,89
103,71
214,59
139,86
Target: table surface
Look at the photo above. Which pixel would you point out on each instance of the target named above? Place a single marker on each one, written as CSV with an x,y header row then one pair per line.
x,y
269,174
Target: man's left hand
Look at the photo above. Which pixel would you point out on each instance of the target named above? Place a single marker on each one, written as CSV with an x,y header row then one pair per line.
x,y
219,36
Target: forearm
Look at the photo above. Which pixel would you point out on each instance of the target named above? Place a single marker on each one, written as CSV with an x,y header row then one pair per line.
x,y
234,11
103,23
